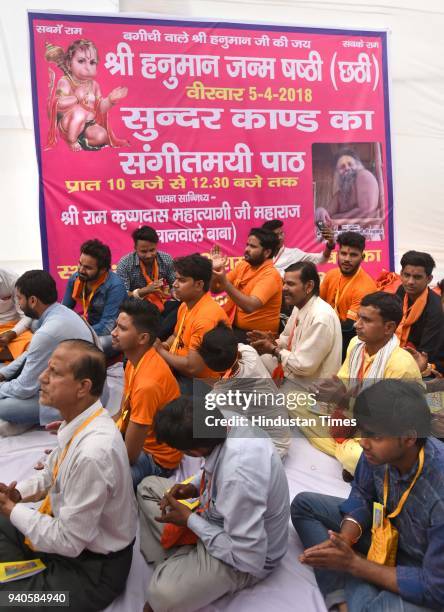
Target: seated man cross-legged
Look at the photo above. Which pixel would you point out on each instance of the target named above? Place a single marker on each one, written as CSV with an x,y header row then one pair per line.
x,y
399,484
19,381
238,534
197,314
84,529
149,386
253,287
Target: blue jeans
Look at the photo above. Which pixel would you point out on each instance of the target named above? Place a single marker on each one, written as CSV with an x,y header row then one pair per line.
x,y
312,515
146,466
20,411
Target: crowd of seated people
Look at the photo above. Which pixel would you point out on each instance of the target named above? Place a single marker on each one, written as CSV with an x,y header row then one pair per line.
x,y
355,368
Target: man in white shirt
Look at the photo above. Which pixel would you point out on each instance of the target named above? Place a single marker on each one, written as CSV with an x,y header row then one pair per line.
x,y
240,529
245,378
310,346
287,256
84,529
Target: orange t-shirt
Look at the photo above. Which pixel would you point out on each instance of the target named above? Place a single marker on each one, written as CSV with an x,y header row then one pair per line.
x,y
344,293
263,282
153,387
203,317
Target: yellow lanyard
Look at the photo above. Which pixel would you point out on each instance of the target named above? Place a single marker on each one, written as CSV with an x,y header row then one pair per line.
x,y
45,507
175,344
339,296
406,493
125,414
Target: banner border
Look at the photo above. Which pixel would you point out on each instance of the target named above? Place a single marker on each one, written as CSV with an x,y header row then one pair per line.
x,y
177,21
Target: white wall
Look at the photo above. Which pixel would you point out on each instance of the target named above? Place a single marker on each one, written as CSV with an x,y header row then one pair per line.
x,y
417,102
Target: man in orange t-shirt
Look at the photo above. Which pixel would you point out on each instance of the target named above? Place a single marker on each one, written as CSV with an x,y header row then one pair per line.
x,y
345,286
197,315
254,287
149,386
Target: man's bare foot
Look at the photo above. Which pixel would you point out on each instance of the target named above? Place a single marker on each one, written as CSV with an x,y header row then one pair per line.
x,y
147,608
75,146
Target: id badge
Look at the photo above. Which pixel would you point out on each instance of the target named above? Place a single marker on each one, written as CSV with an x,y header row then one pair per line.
x,y
378,515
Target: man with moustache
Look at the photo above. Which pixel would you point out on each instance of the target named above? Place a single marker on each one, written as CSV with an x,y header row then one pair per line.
x,y
19,385
148,274
84,528
345,286
402,470
355,190
422,327
310,346
95,289
254,286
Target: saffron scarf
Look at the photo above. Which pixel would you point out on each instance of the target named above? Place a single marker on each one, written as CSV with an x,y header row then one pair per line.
x,y
79,292
410,314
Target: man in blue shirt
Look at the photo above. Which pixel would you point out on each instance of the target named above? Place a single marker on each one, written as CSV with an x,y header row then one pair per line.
x,y
394,421
19,385
96,289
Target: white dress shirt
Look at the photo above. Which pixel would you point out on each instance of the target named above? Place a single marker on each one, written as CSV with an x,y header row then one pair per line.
x,y
287,256
246,522
92,500
316,347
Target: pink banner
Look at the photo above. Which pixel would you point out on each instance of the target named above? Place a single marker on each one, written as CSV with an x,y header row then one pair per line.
x,y
205,130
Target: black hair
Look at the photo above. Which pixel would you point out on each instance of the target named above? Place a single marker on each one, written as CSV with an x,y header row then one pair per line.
x,y
272,225
308,273
345,151
38,283
101,252
388,304
219,348
351,239
144,315
417,258
182,421
393,407
91,364
267,239
146,233
196,267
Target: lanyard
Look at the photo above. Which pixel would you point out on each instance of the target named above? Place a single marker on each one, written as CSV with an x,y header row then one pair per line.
x,y
406,493
175,344
341,294
122,420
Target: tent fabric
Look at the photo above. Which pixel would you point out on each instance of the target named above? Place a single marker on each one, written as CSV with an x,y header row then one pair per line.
x,y
417,98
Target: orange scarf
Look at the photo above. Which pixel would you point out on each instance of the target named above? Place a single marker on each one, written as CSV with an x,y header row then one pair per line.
x,y
248,274
156,298
278,372
46,507
410,314
79,292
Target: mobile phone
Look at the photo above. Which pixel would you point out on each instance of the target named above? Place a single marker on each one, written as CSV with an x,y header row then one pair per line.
x,y
320,225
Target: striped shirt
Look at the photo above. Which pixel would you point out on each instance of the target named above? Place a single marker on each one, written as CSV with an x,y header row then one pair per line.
x,y
131,273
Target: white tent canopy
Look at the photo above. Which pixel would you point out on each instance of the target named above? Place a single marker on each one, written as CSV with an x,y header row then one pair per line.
x,y
417,99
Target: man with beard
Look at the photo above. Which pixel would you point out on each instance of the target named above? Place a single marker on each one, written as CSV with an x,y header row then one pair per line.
x,y
148,274
345,286
422,327
310,346
96,290
355,190
287,256
19,385
254,286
